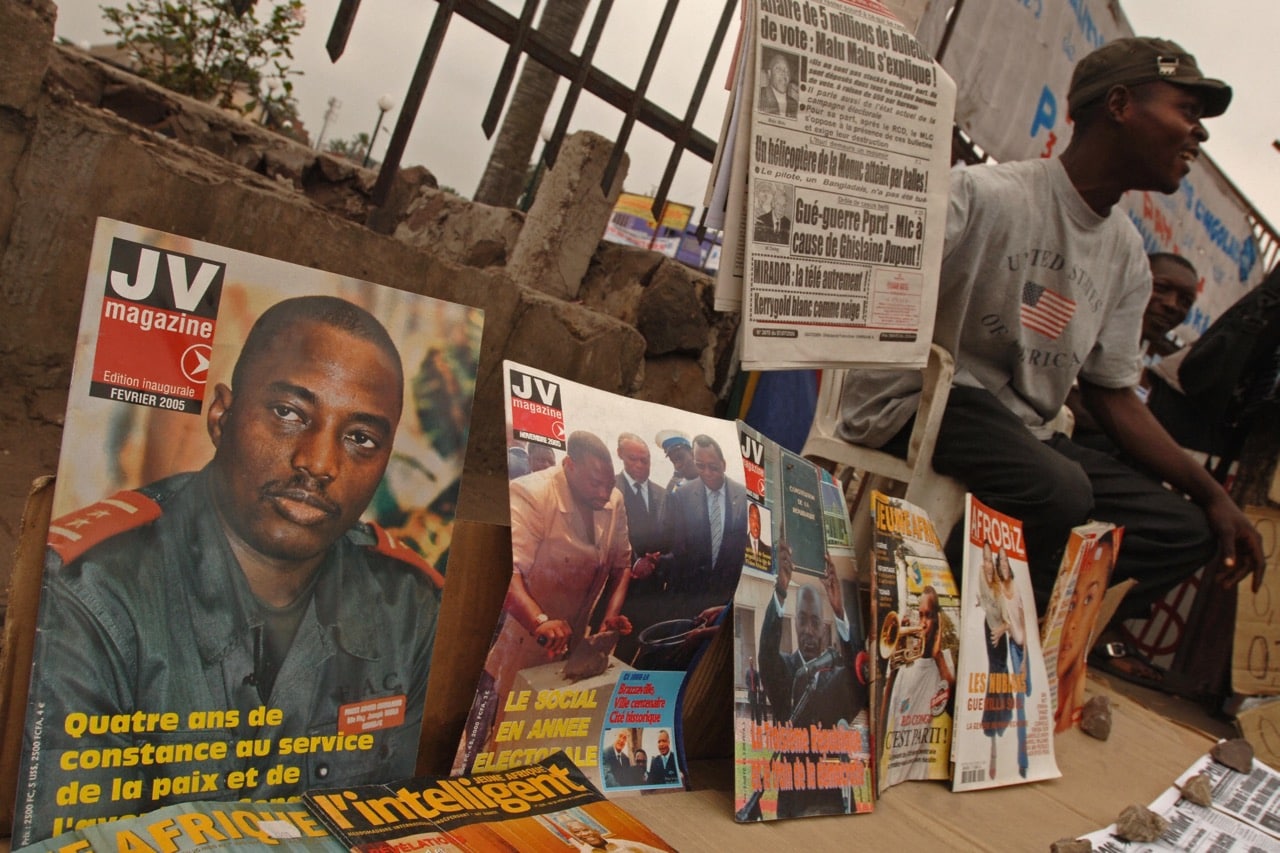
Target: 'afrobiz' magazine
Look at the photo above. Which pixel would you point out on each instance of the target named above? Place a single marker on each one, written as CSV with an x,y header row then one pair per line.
x,y
546,807
1004,716
916,615
255,497
801,731
628,525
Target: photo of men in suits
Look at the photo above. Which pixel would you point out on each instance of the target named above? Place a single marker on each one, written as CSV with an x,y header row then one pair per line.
x,y
707,520
644,501
772,225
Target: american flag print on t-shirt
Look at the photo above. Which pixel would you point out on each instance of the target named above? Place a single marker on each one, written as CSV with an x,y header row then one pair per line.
x,y
1044,311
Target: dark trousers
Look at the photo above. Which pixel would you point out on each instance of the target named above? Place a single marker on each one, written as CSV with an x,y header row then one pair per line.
x,y
1055,485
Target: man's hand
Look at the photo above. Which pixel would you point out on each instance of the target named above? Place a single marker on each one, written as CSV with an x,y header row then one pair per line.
x,y
832,585
553,635
618,623
1239,545
644,566
785,568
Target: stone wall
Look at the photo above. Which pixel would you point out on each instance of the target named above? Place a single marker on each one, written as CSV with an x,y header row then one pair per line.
x,y
79,140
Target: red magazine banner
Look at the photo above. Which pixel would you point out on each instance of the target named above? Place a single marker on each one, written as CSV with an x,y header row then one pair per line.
x,y
155,334
537,413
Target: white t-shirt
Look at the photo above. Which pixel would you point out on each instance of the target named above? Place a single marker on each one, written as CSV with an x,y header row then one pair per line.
x,y
1036,289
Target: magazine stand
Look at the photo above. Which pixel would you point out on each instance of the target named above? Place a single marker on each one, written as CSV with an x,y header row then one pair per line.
x,y
941,497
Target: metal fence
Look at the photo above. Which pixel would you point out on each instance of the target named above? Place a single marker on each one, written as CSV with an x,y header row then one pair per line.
x,y
523,39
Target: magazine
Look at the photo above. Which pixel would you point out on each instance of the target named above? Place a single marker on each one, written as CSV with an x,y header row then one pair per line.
x,y
837,143
224,827
1071,620
1003,720
1244,815
621,574
545,807
254,503
802,739
916,617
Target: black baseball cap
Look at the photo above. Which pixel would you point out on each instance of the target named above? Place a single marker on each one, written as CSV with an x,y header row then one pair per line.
x,y
1132,61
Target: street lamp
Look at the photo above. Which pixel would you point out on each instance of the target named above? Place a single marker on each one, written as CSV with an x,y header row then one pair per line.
x,y
385,103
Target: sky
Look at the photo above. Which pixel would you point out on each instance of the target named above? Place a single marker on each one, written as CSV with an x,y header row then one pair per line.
x,y
1232,40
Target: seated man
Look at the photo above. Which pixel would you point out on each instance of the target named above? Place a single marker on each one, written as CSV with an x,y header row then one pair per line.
x,y
1043,282
1174,283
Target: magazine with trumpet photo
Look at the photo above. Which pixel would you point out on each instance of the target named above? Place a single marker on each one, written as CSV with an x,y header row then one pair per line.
x,y
916,619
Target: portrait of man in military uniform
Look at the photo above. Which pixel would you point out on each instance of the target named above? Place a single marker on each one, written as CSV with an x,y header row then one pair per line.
x,y
237,631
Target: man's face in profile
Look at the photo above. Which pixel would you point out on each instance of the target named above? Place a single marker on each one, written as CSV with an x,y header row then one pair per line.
x,y
682,460
303,442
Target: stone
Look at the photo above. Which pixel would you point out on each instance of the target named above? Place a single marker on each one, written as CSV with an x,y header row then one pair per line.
x,y
1199,790
1071,845
568,217
679,381
670,313
1096,717
23,62
1236,754
475,235
1139,823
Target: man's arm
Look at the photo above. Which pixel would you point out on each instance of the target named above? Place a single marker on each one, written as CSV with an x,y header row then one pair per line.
x,y
1135,430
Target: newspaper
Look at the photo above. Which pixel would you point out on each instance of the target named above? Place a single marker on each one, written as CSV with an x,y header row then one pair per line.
x,y
1004,719
916,617
1071,622
615,590
1244,815
546,807
802,740
244,568
225,827
847,166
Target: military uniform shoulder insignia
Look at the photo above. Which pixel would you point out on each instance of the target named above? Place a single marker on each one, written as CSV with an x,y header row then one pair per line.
x,y
390,546
75,533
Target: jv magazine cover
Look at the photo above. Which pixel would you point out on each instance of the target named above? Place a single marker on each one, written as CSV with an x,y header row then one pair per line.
x,y
628,526
802,737
253,509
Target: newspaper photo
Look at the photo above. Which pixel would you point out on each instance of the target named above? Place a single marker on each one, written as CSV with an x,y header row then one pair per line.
x,y
802,739
1243,817
916,618
1003,720
254,500
1071,619
545,807
848,168
628,527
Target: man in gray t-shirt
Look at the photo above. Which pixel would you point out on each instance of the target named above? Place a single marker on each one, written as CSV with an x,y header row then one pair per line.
x,y
1043,283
